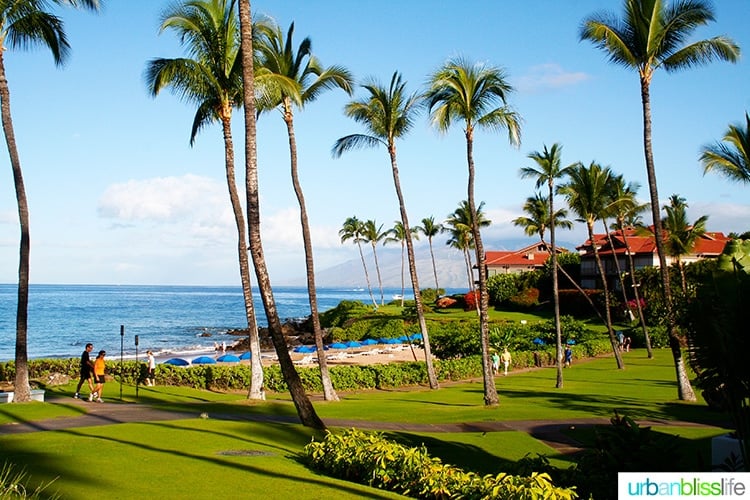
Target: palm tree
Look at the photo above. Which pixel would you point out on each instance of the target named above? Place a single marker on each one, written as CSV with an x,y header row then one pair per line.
x,y
397,234
353,229
586,191
431,229
681,235
475,95
374,234
388,113
731,157
547,169
24,24
212,79
305,409
301,79
651,35
458,226
627,214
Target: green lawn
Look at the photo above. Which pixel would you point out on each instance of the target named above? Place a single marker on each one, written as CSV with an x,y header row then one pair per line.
x,y
215,457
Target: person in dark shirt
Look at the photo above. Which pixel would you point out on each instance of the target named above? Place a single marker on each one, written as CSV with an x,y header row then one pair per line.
x,y
87,370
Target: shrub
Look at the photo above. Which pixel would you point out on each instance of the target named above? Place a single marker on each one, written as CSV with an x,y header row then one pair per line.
x,y
525,299
471,300
502,287
369,458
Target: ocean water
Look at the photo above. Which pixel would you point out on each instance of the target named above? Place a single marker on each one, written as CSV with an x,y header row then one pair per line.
x,y
167,319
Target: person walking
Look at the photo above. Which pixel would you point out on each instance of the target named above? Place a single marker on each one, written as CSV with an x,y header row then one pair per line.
x,y
568,356
99,377
495,363
506,360
86,371
151,374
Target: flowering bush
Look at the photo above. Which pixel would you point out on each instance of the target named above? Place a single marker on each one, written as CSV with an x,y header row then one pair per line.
x,y
471,300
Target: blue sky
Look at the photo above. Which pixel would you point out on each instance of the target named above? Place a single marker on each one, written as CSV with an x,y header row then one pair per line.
x,y
117,195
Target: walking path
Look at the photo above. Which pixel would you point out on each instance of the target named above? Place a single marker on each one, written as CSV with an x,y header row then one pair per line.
x,y
549,432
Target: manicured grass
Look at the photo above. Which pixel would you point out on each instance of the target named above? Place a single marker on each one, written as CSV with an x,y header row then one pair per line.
x,y
213,457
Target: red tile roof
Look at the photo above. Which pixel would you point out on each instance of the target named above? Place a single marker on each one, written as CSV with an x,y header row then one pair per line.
x,y
710,244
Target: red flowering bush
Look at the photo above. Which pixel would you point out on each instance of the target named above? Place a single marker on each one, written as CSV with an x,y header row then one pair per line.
x,y
471,300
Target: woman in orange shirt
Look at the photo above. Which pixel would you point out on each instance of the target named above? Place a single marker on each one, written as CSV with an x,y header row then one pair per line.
x,y
98,377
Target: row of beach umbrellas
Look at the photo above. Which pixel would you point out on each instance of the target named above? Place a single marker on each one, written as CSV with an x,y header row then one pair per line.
x,y
207,360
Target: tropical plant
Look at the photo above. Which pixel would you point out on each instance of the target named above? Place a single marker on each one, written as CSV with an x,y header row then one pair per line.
x,y
211,78
626,214
374,234
681,235
717,336
296,79
731,157
388,114
25,24
397,234
651,35
548,168
430,228
353,229
305,409
476,95
585,191
458,226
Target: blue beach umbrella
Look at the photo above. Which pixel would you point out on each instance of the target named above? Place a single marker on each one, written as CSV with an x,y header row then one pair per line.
x,y
369,342
228,358
247,355
338,345
415,336
177,362
204,360
353,343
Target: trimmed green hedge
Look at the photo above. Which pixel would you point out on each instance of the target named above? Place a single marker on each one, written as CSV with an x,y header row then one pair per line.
x,y
369,458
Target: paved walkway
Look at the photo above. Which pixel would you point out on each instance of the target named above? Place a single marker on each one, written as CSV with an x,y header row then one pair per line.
x,y
549,432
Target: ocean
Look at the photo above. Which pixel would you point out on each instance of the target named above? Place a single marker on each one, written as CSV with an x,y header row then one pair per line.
x,y
169,320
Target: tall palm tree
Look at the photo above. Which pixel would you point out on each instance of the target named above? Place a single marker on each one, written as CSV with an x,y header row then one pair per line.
x,y
302,403
585,191
388,114
397,234
211,78
458,226
682,236
374,235
548,168
476,95
301,79
627,215
22,25
731,157
431,229
650,35
353,229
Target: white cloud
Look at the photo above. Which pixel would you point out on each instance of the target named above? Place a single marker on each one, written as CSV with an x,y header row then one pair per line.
x,y
549,76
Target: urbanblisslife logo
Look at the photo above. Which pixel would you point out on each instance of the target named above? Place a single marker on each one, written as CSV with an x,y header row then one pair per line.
x,y
677,484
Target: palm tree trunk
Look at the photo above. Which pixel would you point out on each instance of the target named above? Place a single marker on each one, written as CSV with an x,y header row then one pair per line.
x,y
555,290
618,270
367,275
490,392
305,409
636,293
684,388
377,270
431,376
608,315
256,367
434,267
21,381
329,394
402,274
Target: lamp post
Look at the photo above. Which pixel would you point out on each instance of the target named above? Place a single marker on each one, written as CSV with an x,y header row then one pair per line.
x,y
122,350
137,368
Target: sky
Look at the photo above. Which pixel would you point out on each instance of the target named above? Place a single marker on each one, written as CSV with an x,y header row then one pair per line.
x,y
118,196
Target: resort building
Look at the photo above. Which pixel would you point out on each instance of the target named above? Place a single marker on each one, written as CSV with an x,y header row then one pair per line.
x,y
642,248
518,261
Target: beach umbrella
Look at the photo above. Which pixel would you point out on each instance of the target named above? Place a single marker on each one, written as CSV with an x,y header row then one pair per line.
x,y
353,343
415,336
177,362
338,345
383,340
247,355
403,338
369,342
228,358
204,360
